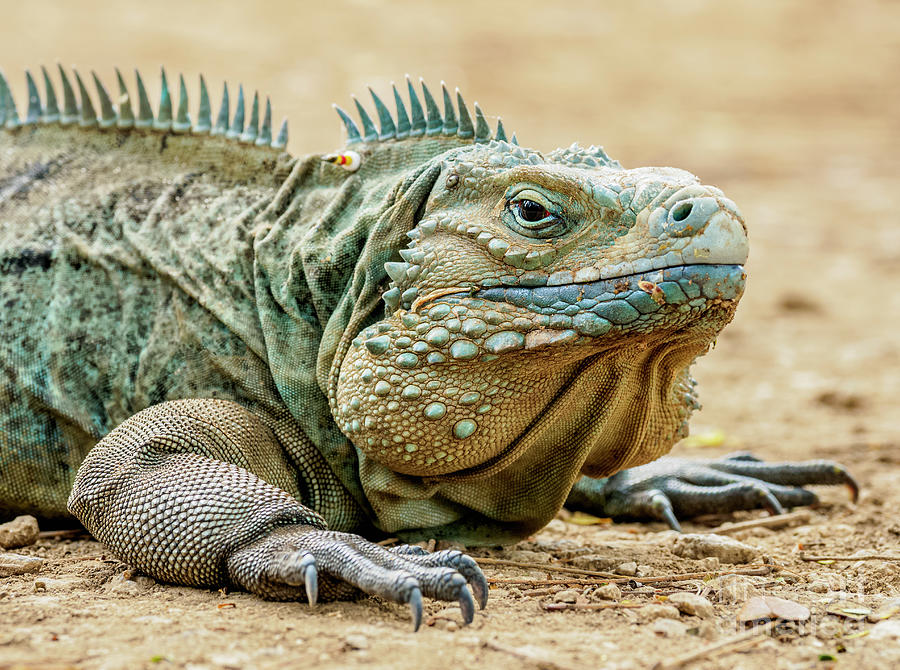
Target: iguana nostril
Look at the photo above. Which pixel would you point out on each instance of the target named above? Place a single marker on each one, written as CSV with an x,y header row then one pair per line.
x,y
682,211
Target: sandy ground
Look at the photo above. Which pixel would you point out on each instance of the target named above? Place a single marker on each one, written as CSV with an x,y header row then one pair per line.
x,y
793,108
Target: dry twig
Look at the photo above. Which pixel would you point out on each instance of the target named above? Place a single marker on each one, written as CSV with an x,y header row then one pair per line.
x,y
765,522
751,570
546,567
868,557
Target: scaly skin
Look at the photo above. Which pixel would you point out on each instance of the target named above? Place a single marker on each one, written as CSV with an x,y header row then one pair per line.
x,y
246,367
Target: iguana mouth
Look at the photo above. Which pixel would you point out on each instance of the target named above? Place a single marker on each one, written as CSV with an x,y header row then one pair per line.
x,y
594,308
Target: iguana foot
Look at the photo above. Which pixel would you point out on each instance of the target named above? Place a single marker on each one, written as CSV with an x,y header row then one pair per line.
x,y
293,562
673,488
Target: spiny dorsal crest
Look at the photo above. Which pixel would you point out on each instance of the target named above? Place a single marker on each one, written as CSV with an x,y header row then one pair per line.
x,y
592,156
123,116
427,121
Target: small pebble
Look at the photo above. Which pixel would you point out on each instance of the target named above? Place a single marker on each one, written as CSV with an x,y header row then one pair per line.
x,y
629,569
668,627
710,563
20,532
818,586
608,592
525,556
594,562
356,642
770,607
567,596
733,588
691,603
644,571
16,564
703,545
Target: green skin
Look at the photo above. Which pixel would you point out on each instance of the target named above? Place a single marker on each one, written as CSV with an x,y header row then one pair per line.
x,y
139,268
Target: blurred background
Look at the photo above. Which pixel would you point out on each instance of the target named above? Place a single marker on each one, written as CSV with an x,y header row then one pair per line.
x,y
791,106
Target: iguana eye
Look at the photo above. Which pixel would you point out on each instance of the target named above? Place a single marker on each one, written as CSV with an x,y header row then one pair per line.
x,y
531,211
533,216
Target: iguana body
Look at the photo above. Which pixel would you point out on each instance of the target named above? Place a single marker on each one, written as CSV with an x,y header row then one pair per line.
x,y
323,371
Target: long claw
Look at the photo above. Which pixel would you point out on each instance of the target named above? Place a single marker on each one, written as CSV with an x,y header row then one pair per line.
x,y
480,588
771,502
467,605
663,507
851,483
311,582
415,607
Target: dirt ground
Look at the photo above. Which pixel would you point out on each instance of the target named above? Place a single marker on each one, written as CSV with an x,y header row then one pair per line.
x,y
792,107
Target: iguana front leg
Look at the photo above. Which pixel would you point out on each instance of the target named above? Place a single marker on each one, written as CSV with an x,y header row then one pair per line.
x,y
198,492
671,488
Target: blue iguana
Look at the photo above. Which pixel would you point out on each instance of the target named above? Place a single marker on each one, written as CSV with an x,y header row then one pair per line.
x,y
231,365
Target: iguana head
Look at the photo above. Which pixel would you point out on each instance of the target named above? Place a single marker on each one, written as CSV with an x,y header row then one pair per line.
x,y
530,277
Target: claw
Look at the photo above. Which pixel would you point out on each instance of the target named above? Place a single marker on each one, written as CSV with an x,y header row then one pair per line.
x,y
851,483
467,605
415,607
480,588
771,502
661,504
311,580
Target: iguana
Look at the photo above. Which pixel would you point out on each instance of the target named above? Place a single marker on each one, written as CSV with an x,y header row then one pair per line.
x,y
230,364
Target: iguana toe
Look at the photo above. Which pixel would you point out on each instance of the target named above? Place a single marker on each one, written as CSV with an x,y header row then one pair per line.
x,y
673,488
802,473
295,561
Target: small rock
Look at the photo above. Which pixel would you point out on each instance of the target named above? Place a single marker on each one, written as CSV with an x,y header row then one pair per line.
x,y
654,612
567,596
668,627
885,611
818,586
691,603
594,562
828,629
17,564
734,588
20,532
726,549
705,630
849,609
608,592
885,630
356,642
644,571
629,569
770,607
710,563
122,584
525,556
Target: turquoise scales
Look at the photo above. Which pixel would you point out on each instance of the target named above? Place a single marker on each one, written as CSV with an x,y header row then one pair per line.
x,y
252,357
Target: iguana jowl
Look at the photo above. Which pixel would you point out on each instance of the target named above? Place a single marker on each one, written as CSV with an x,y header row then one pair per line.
x,y
446,340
